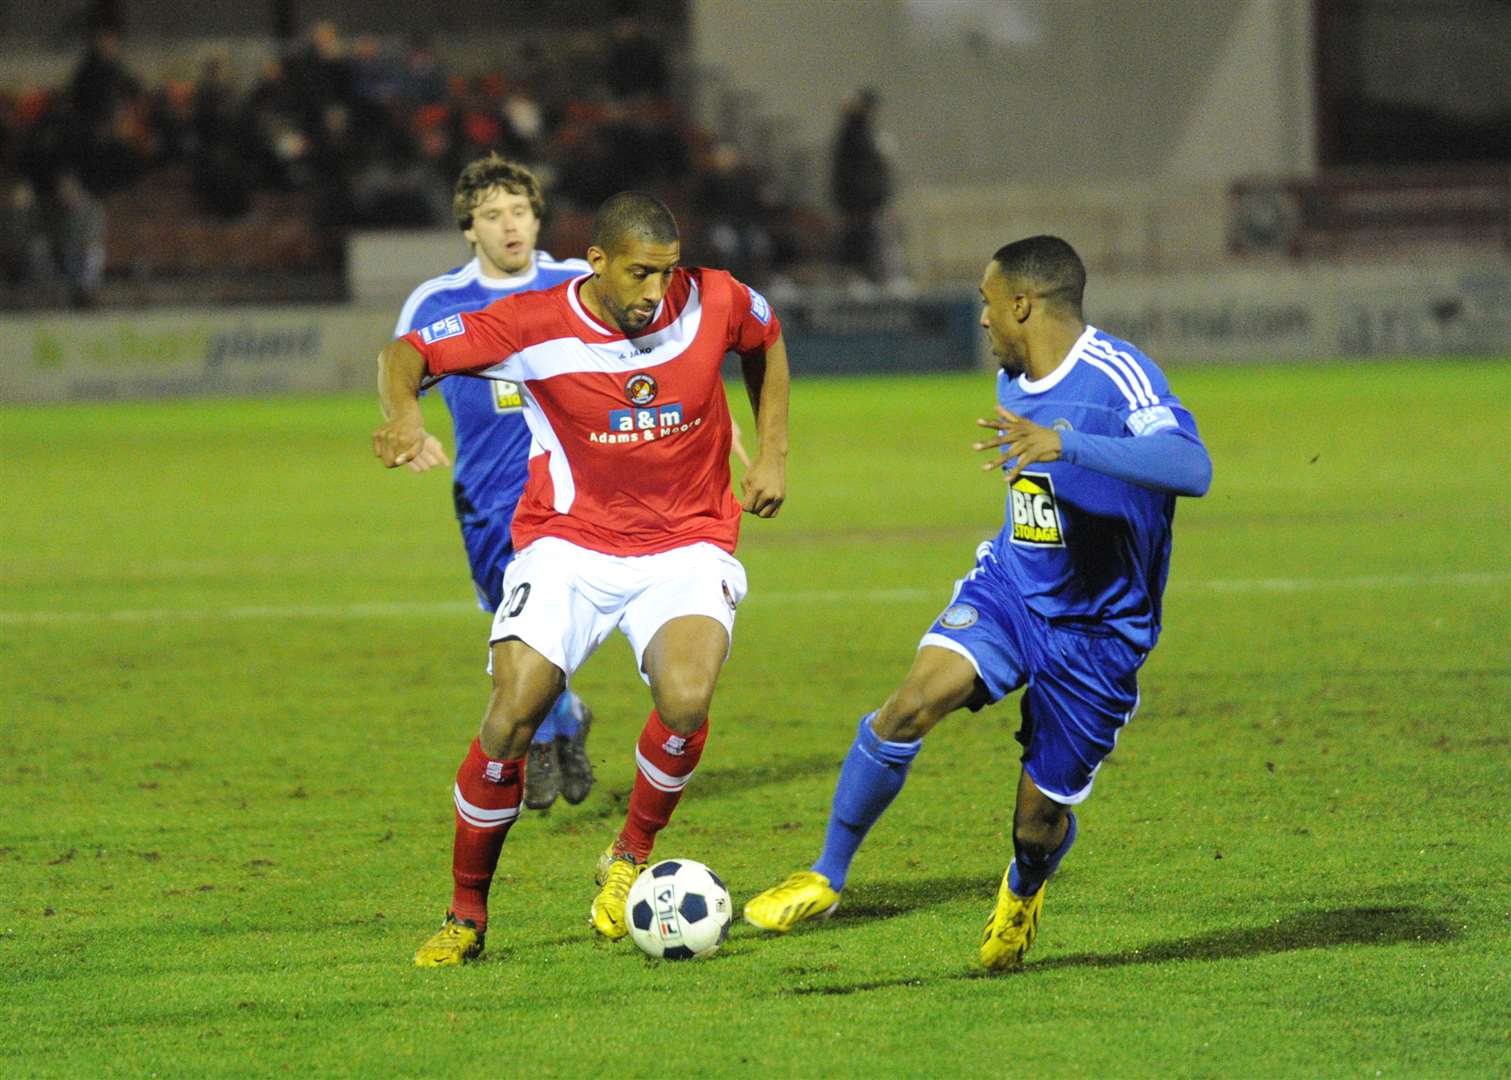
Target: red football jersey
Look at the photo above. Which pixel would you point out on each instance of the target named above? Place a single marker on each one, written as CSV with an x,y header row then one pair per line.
x,y
630,436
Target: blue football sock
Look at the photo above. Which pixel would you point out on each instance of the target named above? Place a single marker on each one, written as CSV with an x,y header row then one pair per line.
x,y
870,779
547,730
1029,871
565,714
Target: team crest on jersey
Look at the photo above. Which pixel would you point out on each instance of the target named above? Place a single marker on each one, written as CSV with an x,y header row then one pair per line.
x,y
506,396
958,617
441,329
1036,516
640,389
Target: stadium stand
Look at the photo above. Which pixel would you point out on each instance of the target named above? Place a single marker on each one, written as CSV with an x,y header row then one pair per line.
x,y
216,190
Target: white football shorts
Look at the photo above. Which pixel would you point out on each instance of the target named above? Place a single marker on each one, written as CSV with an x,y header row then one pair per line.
x,y
564,601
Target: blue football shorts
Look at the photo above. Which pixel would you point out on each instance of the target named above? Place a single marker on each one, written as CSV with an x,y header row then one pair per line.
x,y
1080,687
490,549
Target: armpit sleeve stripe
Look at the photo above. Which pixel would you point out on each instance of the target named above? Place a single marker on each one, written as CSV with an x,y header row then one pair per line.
x,y
1117,380
1130,371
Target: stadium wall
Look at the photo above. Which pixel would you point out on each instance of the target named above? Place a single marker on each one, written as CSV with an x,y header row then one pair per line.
x,y
1126,118
1281,313
1032,92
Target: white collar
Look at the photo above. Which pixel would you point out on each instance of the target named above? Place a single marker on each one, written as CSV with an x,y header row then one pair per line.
x,y
524,277
1057,376
593,322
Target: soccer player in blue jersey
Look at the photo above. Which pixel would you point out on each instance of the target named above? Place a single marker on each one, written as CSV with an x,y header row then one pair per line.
x,y
1064,603
498,205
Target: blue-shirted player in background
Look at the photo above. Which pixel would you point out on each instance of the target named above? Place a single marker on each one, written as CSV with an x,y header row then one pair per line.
x,y
1065,602
498,206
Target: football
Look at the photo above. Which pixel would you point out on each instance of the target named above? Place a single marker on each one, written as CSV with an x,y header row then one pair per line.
x,y
678,909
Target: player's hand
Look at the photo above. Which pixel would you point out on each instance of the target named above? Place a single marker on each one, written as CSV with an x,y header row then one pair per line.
x,y
401,441
1023,439
764,487
431,454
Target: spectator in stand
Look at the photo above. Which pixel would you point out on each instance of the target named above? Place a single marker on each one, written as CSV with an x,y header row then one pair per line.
x,y
861,183
169,122
275,139
220,155
101,82
730,200
105,137
376,75
78,238
23,236
637,64
524,126
424,80
319,75
214,113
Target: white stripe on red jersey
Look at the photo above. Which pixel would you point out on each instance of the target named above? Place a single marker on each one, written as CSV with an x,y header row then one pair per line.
x,y
631,435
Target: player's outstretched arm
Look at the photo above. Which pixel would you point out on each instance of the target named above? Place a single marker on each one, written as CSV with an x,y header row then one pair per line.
x,y
1171,460
402,438
764,485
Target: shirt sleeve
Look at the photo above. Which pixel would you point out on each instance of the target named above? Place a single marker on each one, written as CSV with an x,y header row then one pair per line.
x,y
478,342
414,314
1145,400
1171,459
753,326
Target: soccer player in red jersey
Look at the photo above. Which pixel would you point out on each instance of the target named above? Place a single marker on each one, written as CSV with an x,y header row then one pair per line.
x,y
627,520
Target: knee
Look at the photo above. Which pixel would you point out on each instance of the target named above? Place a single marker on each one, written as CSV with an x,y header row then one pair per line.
x,y
682,701
908,714
510,722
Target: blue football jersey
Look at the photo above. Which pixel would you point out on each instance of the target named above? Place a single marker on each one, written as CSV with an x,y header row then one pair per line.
x,y
492,441
1083,548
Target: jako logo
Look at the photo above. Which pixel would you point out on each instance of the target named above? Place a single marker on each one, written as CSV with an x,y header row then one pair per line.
x,y
675,745
494,771
1036,518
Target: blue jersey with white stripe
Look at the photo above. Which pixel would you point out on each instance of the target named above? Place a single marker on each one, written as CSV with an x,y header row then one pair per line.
x,y
492,441
1083,548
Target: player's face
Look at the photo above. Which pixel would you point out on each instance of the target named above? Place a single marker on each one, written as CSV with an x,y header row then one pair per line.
x,y
630,281
504,230
1002,309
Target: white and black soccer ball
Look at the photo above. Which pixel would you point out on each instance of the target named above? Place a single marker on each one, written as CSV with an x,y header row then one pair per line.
x,y
678,909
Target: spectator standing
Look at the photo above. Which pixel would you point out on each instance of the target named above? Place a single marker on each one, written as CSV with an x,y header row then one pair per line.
x,y
861,184
23,236
79,239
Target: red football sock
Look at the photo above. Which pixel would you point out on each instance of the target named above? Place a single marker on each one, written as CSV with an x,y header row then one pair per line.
x,y
486,796
664,763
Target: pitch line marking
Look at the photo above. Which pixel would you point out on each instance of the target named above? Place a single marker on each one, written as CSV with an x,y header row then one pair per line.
x,y
383,610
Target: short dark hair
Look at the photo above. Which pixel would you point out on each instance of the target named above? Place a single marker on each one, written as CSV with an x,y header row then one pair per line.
x,y
1050,265
484,175
632,212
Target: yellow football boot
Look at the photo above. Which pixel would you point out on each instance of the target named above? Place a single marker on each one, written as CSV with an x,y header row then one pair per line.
x,y
616,872
1011,929
457,940
804,895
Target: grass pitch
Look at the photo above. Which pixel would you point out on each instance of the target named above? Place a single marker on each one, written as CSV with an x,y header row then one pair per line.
x,y
240,664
